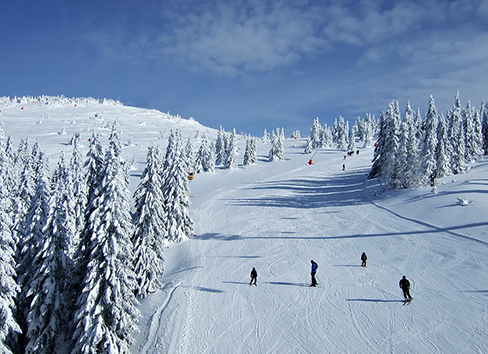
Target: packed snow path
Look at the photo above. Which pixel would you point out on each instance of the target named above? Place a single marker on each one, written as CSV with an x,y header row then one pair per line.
x,y
277,217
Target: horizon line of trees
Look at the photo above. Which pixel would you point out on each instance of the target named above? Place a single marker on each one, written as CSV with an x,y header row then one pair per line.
x,y
413,151
75,255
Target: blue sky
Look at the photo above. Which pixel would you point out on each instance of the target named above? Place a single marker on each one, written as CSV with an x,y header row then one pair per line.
x,y
252,64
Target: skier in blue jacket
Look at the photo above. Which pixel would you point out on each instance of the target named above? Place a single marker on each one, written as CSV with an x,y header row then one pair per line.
x,y
313,272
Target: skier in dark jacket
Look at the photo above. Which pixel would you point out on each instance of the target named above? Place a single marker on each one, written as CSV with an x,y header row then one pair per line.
x,y
405,286
363,259
313,272
254,277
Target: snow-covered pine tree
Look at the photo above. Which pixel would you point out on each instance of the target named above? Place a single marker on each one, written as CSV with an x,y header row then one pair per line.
x,y
402,180
379,150
473,134
31,231
8,285
342,134
51,269
443,153
360,128
315,134
188,156
484,124
391,168
412,171
368,130
250,155
352,141
253,155
335,131
308,147
266,136
93,169
456,137
204,160
478,134
149,226
469,134
10,170
419,126
78,194
25,189
220,147
276,152
429,144
230,154
327,139
176,191
93,166
106,313
23,155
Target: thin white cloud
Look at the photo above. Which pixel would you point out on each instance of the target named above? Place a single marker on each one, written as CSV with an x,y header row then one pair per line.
x,y
229,38
233,37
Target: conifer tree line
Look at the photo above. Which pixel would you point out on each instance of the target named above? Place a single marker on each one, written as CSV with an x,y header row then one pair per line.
x,y
75,254
340,135
412,151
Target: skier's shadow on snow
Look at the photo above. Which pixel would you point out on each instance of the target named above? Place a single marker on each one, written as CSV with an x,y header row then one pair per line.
x,y
374,300
236,282
285,283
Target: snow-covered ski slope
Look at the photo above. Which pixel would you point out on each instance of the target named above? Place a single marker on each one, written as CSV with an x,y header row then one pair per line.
x,y
277,216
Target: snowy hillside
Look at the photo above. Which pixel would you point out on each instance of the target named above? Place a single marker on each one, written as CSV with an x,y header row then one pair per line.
x,y
276,217
56,123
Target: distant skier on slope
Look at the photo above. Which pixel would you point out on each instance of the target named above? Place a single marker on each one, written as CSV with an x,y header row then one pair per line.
x,y
363,259
254,277
405,286
313,272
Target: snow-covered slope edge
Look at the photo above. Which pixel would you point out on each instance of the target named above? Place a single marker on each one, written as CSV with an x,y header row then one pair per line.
x,y
56,123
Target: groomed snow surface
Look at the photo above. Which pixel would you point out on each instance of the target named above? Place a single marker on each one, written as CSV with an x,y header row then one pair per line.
x,y
277,216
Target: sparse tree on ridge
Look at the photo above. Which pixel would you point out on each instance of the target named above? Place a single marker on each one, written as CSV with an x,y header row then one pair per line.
x,y
250,155
149,226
